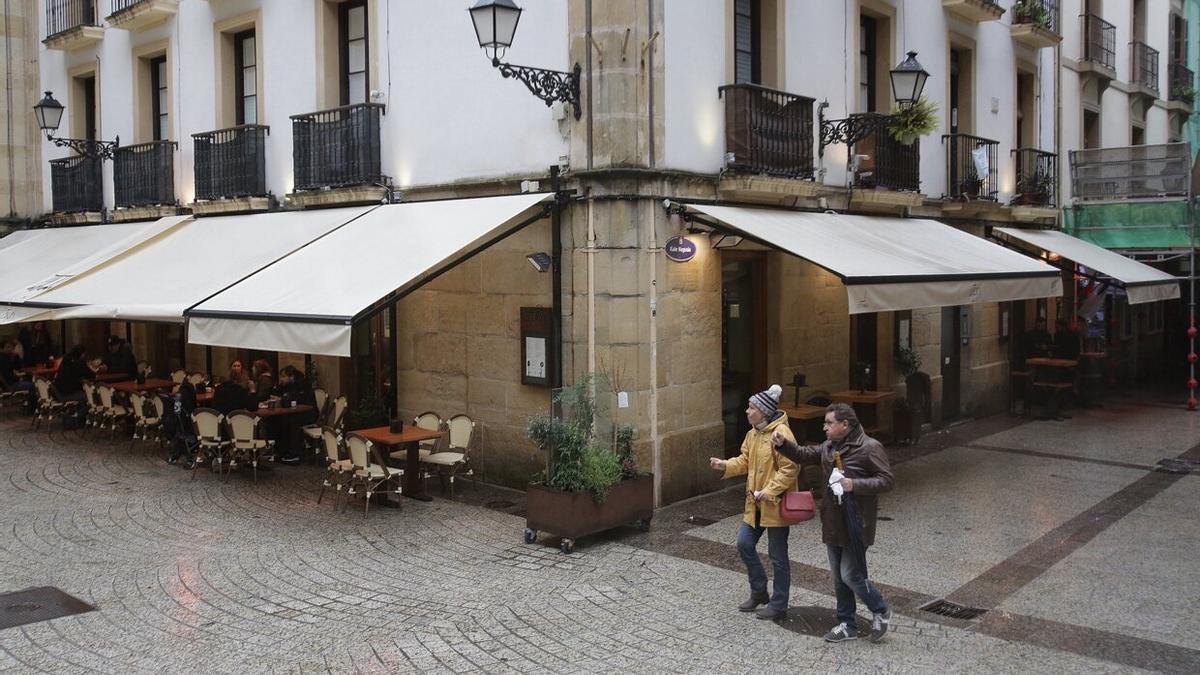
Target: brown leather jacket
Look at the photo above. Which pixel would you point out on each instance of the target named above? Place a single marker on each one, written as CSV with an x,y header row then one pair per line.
x,y
866,465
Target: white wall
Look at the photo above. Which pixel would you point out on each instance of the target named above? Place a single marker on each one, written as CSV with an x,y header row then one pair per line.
x,y
694,67
450,116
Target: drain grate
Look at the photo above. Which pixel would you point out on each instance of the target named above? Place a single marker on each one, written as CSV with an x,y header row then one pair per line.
x,y
953,610
815,621
1177,465
38,604
500,504
699,520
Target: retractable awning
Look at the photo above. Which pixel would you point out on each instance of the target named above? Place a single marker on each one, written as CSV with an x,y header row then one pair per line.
x,y
160,279
1142,282
308,301
890,264
36,261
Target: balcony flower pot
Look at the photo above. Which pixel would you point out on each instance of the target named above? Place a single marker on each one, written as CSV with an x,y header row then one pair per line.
x,y
911,122
970,187
571,515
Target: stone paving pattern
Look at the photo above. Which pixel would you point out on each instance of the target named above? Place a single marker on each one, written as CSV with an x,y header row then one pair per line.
x,y
212,576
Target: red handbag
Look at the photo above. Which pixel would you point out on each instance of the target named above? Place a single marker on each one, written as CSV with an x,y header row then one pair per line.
x,y
796,507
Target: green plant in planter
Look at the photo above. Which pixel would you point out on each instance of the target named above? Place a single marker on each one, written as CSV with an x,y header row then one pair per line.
x,y
578,461
1184,92
1035,187
1031,11
908,361
370,412
911,122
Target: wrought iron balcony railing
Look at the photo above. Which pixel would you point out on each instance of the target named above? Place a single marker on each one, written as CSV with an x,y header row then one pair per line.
x,y
1145,66
121,5
231,162
1099,41
971,167
63,15
1133,172
144,174
1183,83
1042,13
768,131
77,184
337,148
1037,177
889,164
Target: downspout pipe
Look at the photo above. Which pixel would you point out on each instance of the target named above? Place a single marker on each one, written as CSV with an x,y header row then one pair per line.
x,y
556,379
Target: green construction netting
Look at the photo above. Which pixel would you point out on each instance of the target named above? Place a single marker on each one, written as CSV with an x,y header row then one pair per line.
x,y
1152,225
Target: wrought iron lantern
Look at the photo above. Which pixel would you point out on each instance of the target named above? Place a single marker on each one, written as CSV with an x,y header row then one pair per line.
x,y
495,25
908,81
49,113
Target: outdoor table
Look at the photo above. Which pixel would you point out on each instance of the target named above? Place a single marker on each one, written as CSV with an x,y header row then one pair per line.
x,y
866,397
804,414
39,371
206,396
410,439
1053,375
278,411
133,386
112,377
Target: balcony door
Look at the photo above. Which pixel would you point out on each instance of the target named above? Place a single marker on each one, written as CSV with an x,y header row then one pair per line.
x,y
354,46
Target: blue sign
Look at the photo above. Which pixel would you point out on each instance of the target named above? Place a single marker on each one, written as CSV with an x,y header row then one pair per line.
x,y
680,249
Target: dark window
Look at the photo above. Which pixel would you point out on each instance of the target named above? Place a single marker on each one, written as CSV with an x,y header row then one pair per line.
x,y
1178,39
89,107
353,39
245,63
158,97
747,51
1137,136
955,79
866,64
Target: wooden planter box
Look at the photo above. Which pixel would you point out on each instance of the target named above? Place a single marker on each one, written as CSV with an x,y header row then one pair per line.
x,y
571,515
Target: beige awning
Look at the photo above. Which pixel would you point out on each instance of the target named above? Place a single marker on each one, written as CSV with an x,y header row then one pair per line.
x,y
890,264
1142,282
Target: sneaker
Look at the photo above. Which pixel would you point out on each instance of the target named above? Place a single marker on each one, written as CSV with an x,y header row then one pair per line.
x,y
841,633
771,614
879,624
753,602
289,460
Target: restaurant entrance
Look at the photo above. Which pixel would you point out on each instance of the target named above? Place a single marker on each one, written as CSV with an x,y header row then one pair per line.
x,y
743,340
951,356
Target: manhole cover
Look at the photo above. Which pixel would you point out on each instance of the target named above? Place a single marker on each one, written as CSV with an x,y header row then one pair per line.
x,y
699,520
952,610
1176,465
816,621
38,604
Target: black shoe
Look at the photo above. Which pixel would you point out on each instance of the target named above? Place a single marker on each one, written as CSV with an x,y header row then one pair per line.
x,y
841,633
289,460
771,613
189,464
751,604
879,625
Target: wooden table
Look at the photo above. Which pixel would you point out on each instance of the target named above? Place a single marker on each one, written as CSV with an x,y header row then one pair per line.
x,y
856,397
133,386
112,377
278,411
1056,385
410,440
39,371
804,413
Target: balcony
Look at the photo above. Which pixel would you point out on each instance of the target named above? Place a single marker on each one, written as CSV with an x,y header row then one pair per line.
x,y
71,24
1037,178
1183,85
1135,172
338,148
1099,47
1144,70
1035,23
974,11
136,15
77,185
144,175
889,164
971,167
767,131
231,168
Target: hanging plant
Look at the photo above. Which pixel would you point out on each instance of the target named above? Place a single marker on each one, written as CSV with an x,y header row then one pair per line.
x,y
913,121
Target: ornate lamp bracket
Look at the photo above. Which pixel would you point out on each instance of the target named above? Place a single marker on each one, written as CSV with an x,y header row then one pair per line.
x,y
548,85
87,148
849,130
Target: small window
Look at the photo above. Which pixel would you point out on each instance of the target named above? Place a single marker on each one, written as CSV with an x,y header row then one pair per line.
x,y
158,98
866,64
352,33
245,59
747,54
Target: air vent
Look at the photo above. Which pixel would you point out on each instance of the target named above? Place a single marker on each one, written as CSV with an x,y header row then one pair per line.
x,y
953,610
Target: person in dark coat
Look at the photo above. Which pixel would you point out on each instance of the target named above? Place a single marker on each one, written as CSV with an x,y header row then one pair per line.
x,y
231,395
293,388
177,424
120,358
1036,342
68,384
36,343
867,474
1066,341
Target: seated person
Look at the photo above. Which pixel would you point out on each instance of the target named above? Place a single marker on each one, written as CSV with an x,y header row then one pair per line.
x,y
231,395
10,360
120,358
69,382
286,429
1036,342
177,425
1066,341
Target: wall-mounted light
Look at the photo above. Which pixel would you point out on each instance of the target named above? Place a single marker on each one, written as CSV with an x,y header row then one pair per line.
x,y
908,81
541,261
49,113
720,240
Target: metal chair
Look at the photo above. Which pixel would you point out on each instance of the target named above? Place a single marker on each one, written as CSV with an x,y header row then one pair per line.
x,y
339,470
112,412
450,461
429,421
246,438
369,475
210,437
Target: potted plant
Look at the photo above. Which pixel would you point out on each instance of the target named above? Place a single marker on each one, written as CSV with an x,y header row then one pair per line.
x,y
907,413
1031,11
1034,188
970,185
912,121
1183,93
592,482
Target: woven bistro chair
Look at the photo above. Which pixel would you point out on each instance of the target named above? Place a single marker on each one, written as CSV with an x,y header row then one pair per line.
x,y
178,376
49,405
454,458
312,432
95,410
113,412
248,444
211,438
137,410
339,471
370,472
196,378
429,421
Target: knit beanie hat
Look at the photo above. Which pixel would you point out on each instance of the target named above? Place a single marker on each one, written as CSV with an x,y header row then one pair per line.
x,y
767,401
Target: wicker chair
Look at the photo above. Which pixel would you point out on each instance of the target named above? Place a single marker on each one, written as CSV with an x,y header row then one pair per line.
x,y
112,413
370,471
49,405
247,439
339,470
449,462
211,439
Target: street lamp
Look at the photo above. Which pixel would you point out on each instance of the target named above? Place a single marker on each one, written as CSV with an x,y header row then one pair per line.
x,y
495,25
49,114
908,81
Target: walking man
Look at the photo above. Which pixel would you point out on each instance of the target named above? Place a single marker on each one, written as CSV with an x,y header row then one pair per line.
x,y
767,477
864,465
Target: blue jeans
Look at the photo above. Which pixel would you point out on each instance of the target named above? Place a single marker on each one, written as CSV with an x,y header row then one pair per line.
x,y
777,548
849,581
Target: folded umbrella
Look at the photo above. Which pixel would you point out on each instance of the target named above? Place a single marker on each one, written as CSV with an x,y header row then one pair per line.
x,y
854,524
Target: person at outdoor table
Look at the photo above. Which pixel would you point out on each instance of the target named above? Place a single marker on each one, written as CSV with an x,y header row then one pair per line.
x,y
36,343
120,358
69,382
1066,341
286,429
231,394
10,379
261,380
1036,342
237,373
178,425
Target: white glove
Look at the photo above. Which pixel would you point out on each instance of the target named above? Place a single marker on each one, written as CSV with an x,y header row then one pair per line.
x,y
835,483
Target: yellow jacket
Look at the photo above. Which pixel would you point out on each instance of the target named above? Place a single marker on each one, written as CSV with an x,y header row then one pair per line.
x,y
764,470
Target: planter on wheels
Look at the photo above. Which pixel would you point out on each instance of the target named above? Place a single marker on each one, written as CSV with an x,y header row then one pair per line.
x,y
571,515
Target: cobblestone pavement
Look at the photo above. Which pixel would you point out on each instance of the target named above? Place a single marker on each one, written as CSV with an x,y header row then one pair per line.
x,y
212,576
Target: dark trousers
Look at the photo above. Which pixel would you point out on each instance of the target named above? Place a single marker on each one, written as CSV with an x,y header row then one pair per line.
x,y
777,549
849,581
